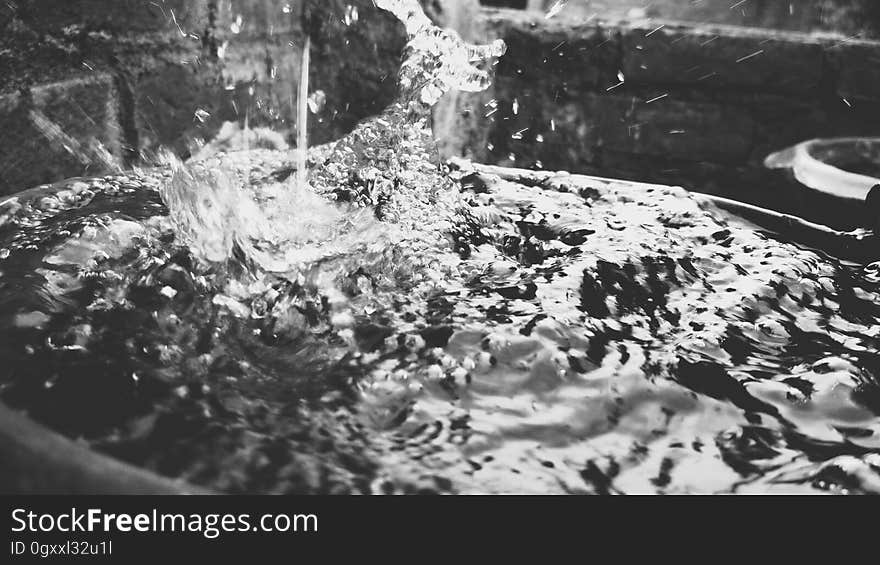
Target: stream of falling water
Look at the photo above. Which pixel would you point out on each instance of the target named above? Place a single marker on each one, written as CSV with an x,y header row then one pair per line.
x,y
403,328
302,121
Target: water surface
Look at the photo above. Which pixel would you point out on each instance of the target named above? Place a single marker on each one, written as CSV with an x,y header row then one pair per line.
x,y
601,338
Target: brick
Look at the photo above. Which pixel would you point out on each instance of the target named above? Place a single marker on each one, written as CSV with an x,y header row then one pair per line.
x,y
164,78
783,123
723,57
166,100
723,127
27,59
673,128
266,75
82,113
668,127
118,15
559,57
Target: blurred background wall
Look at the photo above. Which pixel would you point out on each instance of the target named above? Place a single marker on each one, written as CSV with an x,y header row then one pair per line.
x,y
86,85
617,89
842,16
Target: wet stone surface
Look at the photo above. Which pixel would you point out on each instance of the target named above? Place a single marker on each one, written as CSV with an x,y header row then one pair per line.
x,y
587,337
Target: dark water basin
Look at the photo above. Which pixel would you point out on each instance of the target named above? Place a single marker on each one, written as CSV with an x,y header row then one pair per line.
x,y
596,336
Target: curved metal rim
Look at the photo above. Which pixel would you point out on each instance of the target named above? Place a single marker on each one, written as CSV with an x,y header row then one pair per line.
x,y
820,176
37,460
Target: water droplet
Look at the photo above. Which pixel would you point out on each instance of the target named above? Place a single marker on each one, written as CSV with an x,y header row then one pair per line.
x,y
235,27
201,115
317,101
351,15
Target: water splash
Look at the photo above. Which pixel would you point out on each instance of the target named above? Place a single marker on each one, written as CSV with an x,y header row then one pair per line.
x,y
407,11
387,162
438,60
385,170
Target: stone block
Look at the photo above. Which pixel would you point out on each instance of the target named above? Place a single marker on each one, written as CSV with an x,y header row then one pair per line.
x,y
263,76
174,105
128,16
723,57
58,130
569,132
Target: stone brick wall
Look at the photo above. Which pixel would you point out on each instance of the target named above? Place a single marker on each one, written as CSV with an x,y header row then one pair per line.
x,y
116,80
698,106
89,84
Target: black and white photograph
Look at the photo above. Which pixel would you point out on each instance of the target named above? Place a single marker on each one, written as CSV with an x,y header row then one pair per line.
x,y
446,247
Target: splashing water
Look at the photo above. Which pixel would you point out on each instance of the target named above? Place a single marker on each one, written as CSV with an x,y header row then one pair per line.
x,y
388,163
400,329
